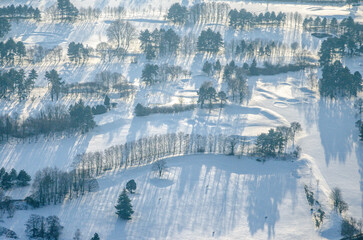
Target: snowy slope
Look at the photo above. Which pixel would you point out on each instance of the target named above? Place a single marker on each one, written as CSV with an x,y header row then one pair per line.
x,y
201,194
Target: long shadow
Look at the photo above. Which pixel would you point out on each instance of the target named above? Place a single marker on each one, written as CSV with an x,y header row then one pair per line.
x,y
336,126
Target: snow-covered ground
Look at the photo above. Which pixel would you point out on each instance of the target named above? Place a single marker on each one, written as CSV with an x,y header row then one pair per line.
x,y
201,194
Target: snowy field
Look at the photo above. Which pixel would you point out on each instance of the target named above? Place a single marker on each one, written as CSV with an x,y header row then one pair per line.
x,y
198,195
201,194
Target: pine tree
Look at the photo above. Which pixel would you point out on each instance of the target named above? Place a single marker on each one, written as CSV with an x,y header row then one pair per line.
x,y
23,178
4,27
253,68
124,207
6,181
95,237
55,81
177,14
13,175
107,102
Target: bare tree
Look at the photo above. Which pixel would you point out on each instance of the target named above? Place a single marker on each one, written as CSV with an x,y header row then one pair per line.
x,y
338,203
159,167
122,33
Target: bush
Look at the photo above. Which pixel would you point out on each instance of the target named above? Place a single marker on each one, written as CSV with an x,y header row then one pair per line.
x,y
32,202
99,109
140,110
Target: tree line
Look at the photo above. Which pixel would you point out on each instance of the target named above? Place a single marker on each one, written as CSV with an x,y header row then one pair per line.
x,y
150,149
49,120
243,19
20,12
52,186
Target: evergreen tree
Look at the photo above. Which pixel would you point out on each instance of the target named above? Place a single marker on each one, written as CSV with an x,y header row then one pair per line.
x,y
207,68
29,82
253,68
13,175
81,116
4,27
131,186
217,66
95,237
124,207
6,181
107,102
209,41
177,14
150,73
53,228
23,178
55,83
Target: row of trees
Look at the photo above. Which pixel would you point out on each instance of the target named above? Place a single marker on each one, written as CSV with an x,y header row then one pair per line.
x,y
15,82
52,186
50,120
153,73
11,51
159,42
150,149
12,178
242,19
20,12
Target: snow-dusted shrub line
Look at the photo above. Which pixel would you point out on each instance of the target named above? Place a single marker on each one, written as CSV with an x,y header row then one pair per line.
x,y
141,110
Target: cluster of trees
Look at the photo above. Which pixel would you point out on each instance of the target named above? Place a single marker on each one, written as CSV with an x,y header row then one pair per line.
x,y
39,227
66,10
159,42
52,186
153,73
273,143
50,120
212,68
208,93
122,33
36,54
350,227
141,110
20,12
316,209
16,82
236,81
242,19
77,52
11,51
198,12
12,178
337,81
209,41
349,42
